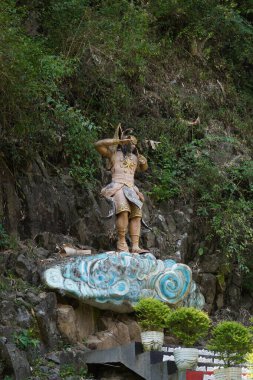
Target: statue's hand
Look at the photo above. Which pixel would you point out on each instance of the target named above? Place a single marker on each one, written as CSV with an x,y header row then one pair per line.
x,y
142,160
141,196
125,141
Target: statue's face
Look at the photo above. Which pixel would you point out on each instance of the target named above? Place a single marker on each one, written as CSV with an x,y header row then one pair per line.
x,y
133,139
133,143
130,137
131,146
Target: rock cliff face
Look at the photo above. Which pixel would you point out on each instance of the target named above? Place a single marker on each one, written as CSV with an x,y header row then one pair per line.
x,y
42,205
42,209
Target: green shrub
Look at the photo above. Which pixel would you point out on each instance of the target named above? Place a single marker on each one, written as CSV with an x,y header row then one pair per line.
x,y
165,172
152,314
189,325
232,341
79,135
25,338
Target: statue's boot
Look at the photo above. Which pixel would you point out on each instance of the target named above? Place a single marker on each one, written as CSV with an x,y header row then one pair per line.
x,y
135,245
122,244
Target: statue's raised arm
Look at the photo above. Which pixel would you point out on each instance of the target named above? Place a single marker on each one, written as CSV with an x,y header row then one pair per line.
x,y
104,147
124,161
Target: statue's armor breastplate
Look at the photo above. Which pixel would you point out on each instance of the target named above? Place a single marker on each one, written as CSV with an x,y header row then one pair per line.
x,y
123,168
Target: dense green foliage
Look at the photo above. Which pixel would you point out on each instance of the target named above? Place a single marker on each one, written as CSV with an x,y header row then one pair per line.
x,y
189,325
232,341
152,314
71,69
35,116
222,191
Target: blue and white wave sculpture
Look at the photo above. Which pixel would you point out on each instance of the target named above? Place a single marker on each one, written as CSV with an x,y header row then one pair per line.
x,y
116,281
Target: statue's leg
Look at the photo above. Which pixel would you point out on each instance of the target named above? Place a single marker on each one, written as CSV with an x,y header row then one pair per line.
x,y
122,225
134,232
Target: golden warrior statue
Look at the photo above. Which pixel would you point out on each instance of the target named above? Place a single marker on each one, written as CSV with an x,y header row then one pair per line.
x,y
128,200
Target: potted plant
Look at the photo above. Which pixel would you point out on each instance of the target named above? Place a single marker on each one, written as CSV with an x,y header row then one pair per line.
x,y
188,325
249,361
152,316
232,341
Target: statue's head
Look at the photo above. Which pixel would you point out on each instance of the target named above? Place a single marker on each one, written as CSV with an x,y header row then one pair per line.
x,y
131,137
126,134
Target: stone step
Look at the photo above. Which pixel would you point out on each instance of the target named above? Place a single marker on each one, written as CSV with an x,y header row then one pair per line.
x,y
148,365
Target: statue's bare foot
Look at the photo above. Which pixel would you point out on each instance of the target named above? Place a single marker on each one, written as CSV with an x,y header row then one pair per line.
x,y
138,250
122,247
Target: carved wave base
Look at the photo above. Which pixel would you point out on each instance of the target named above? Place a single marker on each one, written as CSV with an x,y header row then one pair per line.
x,y
116,281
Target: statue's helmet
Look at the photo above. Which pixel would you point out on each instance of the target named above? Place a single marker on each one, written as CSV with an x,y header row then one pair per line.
x,y
121,134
